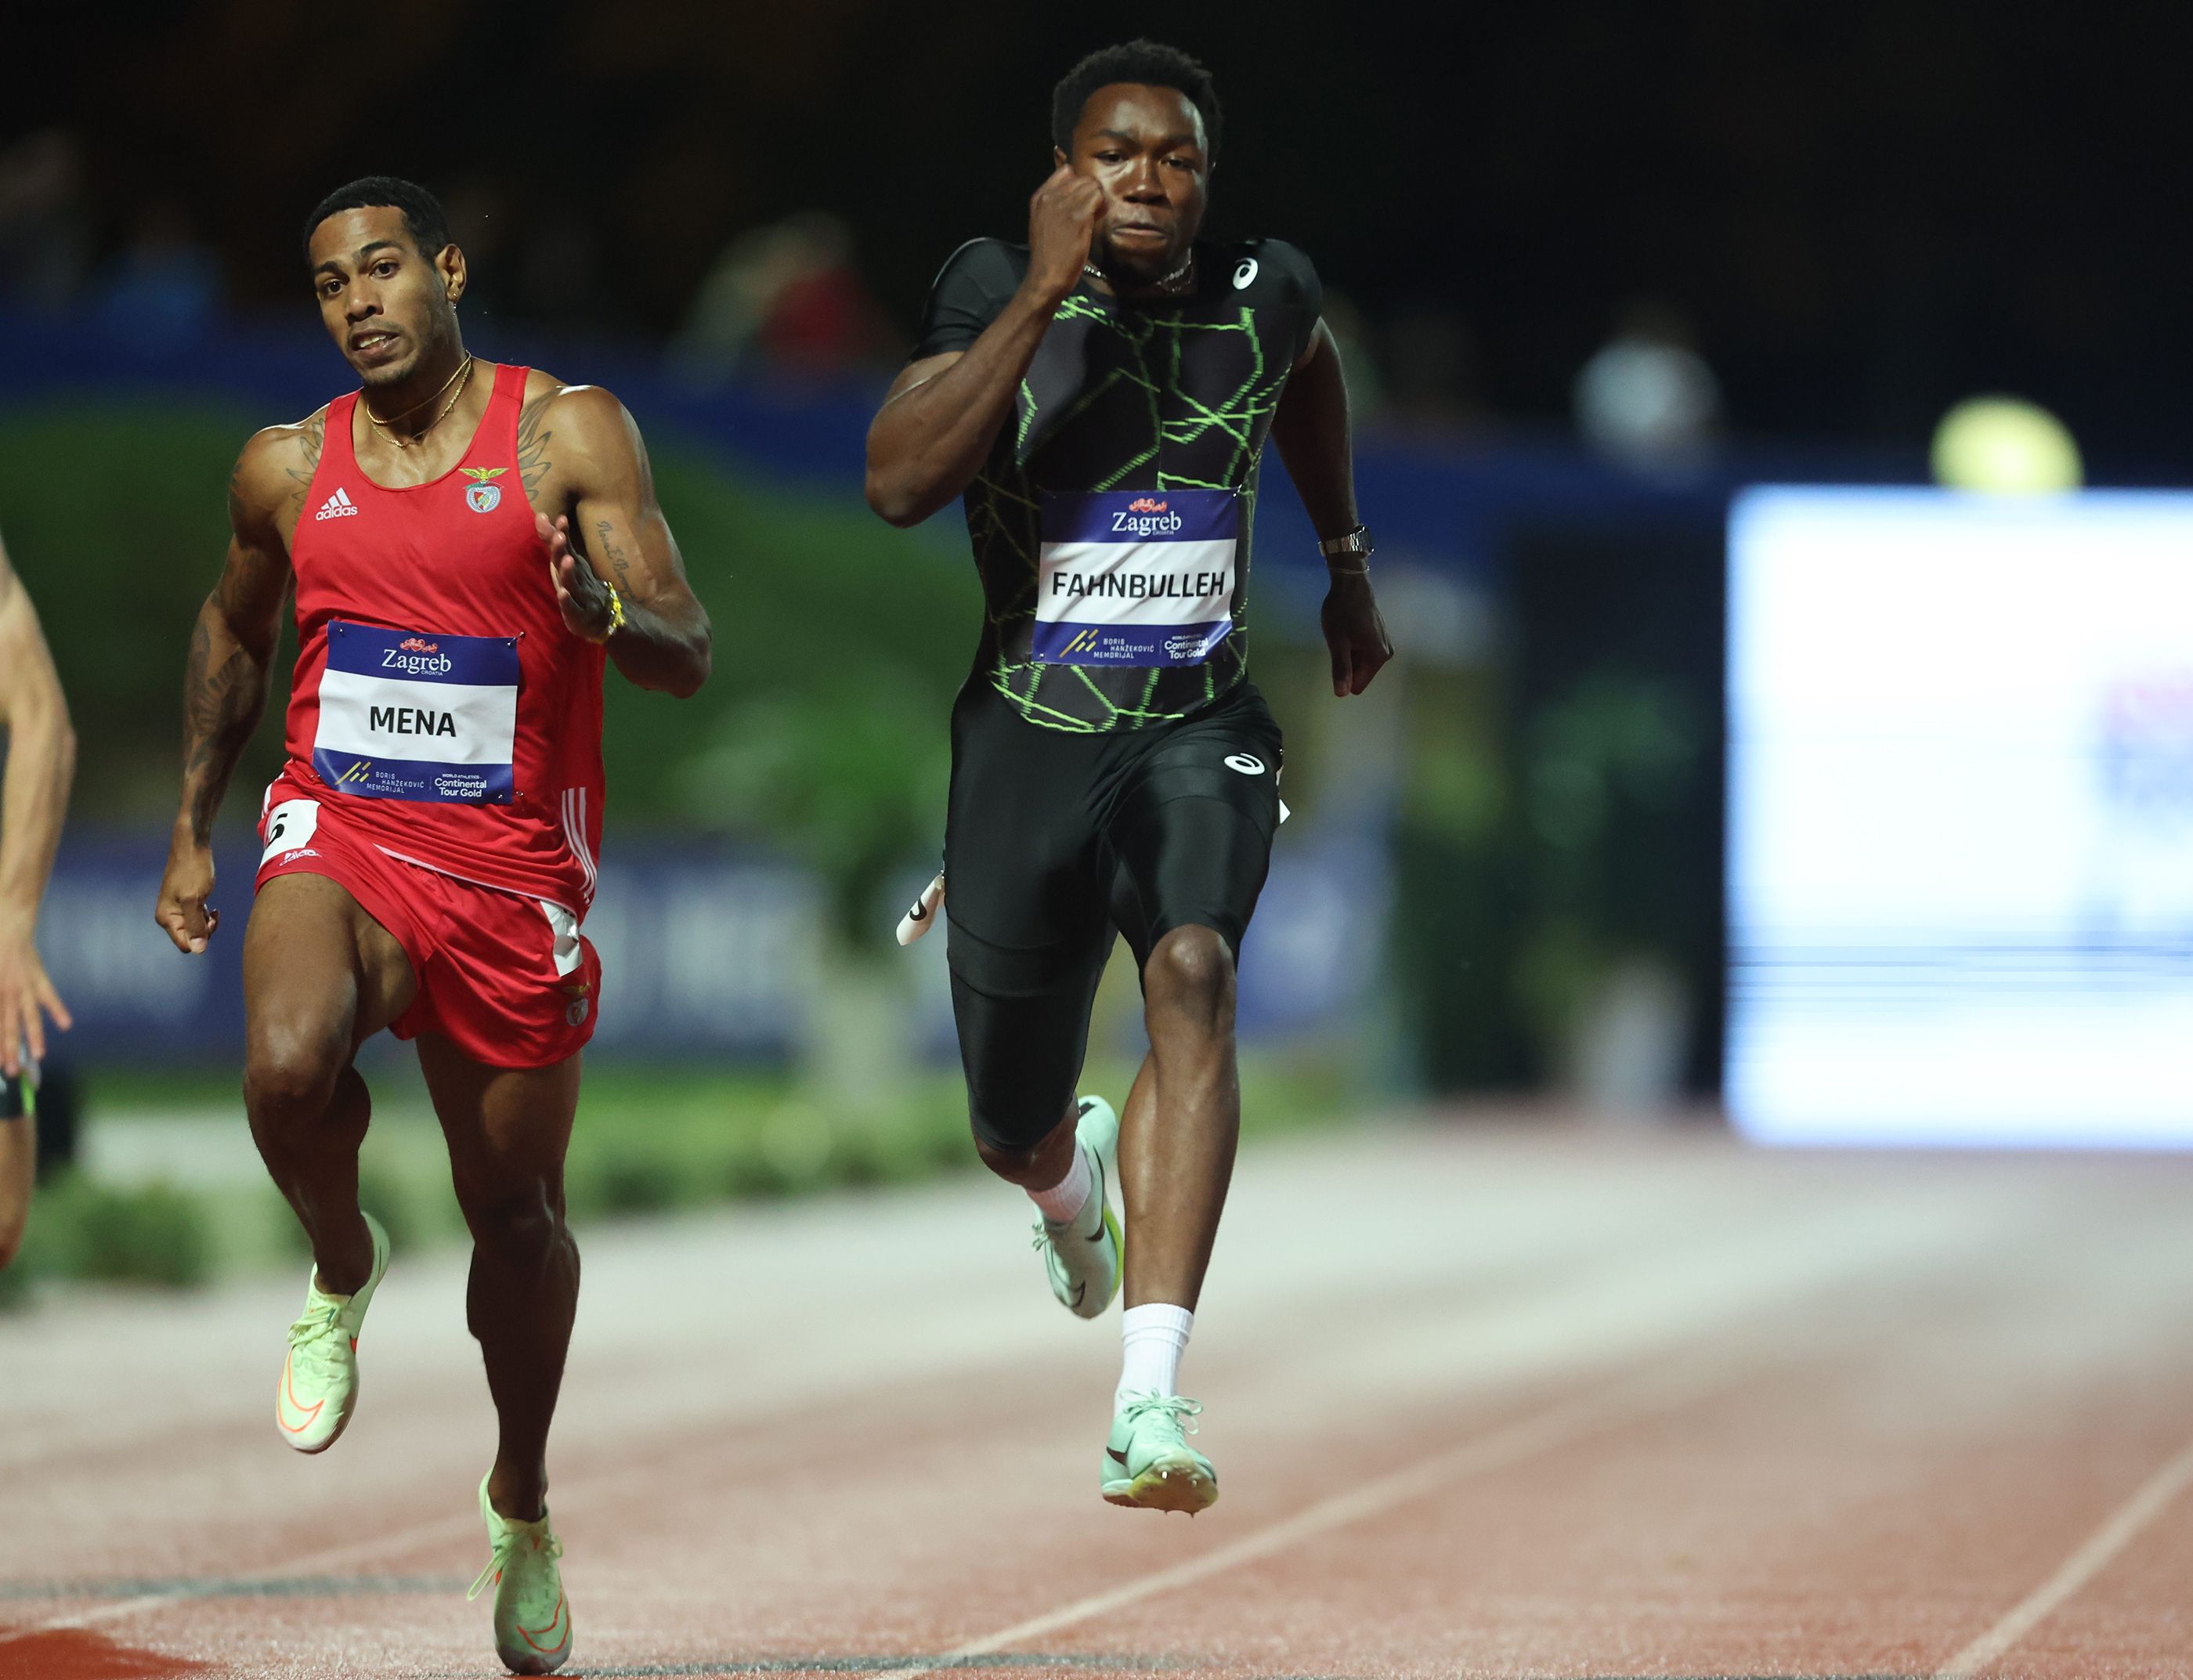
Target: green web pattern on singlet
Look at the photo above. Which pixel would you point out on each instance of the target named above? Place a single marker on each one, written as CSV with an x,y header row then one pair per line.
x,y
1005,515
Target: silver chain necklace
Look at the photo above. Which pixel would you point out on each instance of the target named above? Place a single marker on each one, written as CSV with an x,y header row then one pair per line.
x,y
1174,281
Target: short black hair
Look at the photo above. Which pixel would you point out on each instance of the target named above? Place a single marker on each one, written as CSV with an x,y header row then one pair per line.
x,y
423,218
1151,63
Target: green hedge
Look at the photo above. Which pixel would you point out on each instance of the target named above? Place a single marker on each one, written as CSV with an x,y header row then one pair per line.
x,y
839,642
646,1145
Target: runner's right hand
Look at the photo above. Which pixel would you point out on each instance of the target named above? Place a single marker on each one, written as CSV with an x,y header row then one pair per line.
x,y
1063,219
190,921
26,997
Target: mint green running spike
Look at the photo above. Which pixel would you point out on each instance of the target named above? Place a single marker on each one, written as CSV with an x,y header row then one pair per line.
x,y
1082,1254
318,1389
532,1616
1149,1463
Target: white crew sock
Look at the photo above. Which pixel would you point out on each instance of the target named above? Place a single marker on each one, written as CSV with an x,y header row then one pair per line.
x,y
1152,1340
1063,1201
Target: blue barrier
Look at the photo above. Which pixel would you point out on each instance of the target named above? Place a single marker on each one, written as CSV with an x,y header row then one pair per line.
x,y
706,954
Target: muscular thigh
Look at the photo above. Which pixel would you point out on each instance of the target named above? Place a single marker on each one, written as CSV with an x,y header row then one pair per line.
x,y
1027,928
507,1128
316,966
1191,828
1021,847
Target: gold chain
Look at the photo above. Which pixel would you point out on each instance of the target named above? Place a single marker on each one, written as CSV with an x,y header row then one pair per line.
x,y
381,427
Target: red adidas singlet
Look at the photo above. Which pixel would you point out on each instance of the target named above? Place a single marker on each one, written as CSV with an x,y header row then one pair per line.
x,y
440,703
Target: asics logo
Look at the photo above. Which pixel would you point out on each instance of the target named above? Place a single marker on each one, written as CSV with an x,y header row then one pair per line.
x,y
1247,763
337,506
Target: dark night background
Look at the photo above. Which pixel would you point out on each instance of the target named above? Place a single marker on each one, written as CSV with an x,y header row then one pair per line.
x,y
1826,225
1864,212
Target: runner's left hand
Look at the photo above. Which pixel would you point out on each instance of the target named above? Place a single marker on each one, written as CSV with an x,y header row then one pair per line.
x,y
583,598
1354,633
27,998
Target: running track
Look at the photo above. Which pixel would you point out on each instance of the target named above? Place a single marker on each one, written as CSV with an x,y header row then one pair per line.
x,y
1484,1401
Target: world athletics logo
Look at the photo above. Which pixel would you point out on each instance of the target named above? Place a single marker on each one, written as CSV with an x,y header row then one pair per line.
x,y
483,495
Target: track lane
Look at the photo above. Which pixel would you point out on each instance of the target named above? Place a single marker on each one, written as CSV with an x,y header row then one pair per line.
x,y
906,1472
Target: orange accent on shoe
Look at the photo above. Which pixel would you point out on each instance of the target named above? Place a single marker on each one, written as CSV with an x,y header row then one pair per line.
x,y
554,1622
288,1393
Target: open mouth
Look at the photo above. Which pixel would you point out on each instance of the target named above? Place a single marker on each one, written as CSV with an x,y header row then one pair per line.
x,y
375,345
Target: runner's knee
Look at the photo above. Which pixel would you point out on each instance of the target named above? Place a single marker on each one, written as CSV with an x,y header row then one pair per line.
x,y
1017,1161
519,1224
1190,973
290,1074
1021,1054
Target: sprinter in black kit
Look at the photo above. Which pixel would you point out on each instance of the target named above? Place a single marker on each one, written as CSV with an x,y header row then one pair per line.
x,y
1101,397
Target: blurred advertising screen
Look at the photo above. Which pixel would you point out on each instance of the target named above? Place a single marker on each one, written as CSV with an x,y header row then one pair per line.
x,y
1960,818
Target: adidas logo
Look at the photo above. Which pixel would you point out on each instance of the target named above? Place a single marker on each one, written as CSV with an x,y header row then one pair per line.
x,y
337,506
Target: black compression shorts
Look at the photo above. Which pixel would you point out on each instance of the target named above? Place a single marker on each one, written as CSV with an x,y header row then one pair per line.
x,y
1054,842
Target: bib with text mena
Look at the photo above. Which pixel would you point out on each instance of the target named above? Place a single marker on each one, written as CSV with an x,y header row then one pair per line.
x,y
408,714
1136,577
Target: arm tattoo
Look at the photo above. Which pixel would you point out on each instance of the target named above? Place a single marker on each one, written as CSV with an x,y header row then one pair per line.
x,y
533,439
223,691
615,555
232,643
310,436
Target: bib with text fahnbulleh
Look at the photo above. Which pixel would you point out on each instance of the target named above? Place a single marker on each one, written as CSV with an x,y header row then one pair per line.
x,y
1136,577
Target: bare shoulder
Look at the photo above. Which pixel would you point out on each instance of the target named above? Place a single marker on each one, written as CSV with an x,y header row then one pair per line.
x,y
575,408
276,468
569,432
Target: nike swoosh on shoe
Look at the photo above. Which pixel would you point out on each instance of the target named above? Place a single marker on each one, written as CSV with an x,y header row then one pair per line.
x,y
1097,1200
560,1619
287,1406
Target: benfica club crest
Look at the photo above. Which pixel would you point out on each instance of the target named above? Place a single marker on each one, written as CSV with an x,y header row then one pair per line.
x,y
483,495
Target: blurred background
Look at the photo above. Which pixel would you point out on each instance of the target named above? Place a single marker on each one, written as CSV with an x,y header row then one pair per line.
x,y
1597,268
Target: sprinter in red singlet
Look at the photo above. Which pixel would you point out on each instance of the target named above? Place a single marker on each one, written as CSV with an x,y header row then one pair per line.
x,y
468,543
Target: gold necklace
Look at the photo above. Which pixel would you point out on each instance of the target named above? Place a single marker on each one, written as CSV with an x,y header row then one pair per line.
x,y
381,427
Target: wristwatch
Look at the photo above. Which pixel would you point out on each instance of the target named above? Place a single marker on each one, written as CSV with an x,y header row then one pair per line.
x,y
1355,546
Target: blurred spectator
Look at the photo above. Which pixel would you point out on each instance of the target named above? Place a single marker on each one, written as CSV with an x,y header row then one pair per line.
x,y
45,228
1647,401
1431,369
787,299
166,282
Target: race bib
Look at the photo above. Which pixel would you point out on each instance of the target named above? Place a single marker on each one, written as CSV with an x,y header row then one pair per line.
x,y
289,827
1137,577
410,715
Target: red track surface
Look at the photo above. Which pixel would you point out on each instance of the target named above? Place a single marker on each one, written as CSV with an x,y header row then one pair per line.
x,y
1482,1403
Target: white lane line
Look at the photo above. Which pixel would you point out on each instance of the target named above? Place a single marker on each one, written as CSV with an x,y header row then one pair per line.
x,y
1620,1403
2154,1495
327,1561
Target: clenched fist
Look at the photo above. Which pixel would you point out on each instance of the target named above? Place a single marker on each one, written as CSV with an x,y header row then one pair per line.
x,y
1063,219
